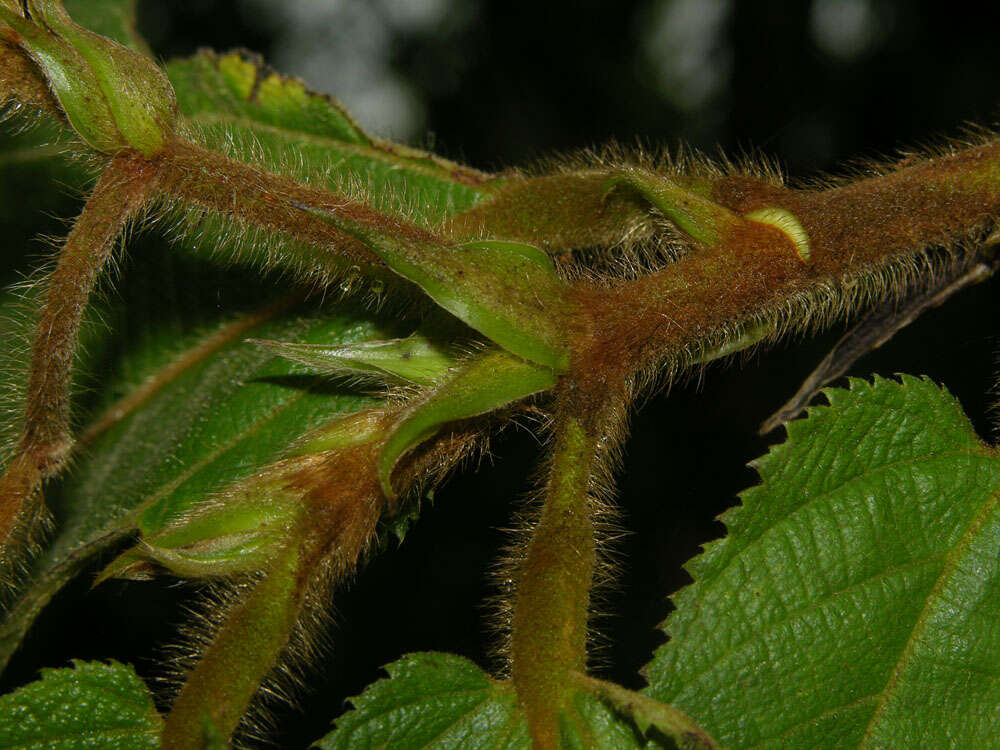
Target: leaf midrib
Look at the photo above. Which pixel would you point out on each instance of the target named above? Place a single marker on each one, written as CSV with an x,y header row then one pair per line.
x,y
370,152
832,595
952,559
787,518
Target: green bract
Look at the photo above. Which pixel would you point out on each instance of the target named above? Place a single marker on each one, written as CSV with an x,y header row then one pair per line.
x,y
690,211
488,382
237,533
507,291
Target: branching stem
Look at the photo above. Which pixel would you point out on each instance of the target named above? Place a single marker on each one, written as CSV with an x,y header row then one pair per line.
x,y
756,271
246,648
121,192
200,177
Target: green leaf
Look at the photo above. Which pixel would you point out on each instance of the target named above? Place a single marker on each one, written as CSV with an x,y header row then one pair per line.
x,y
435,701
235,97
441,701
854,601
219,409
89,705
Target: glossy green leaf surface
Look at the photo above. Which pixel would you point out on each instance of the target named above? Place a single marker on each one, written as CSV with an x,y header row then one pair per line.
x,y
236,96
435,701
88,705
854,602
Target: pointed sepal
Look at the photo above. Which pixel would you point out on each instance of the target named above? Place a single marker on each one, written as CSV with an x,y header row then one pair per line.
x,y
415,359
489,382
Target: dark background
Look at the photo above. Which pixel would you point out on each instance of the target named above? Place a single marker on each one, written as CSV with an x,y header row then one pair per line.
x,y
496,83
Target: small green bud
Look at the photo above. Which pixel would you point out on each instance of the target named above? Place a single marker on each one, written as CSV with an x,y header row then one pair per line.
x,y
489,382
113,97
786,223
236,534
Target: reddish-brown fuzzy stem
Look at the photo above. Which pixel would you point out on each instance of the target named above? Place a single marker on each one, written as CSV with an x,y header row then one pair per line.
x,y
552,609
199,177
121,192
756,270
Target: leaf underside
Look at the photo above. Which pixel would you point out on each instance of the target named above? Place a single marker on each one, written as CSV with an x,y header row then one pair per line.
x,y
854,601
236,408
218,413
240,105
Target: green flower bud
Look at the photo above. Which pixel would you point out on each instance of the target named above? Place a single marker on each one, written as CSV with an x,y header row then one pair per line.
x,y
235,534
113,97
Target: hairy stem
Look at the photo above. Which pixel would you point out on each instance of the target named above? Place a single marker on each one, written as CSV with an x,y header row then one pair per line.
x,y
246,648
121,192
648,713
199,177
757,271
552,608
